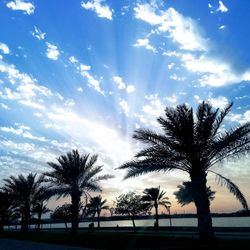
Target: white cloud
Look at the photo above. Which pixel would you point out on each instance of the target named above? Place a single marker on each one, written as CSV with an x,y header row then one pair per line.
x,y
182,30
154,107
37,114
4,106
52,51
222,27
70,103
130,88
122,85
80,89
222,7
37,33
171,65
213,71
92,81
172,99
219,102
145,44
32,104
119,82
84,67
100,9
22,131
23,5
72,59
25,89
177,78
4,48
125,106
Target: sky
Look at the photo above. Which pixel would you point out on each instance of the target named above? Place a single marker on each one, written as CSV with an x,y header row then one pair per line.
x,y
86,74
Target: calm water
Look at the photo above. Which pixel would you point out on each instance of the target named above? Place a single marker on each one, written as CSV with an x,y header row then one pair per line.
x,y
185,222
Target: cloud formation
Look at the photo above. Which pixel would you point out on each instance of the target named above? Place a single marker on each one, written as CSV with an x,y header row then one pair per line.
x,y
22,5
102,10
4,48
182,30
52,51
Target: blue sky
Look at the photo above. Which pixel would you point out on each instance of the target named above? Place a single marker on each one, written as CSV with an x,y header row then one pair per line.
x,y
85,74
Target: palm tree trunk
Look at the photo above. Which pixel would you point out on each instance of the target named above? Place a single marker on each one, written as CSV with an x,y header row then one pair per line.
x,y
156,217
133,221
98,219
66,226
75,199
25,219
170,220
202,206
39,222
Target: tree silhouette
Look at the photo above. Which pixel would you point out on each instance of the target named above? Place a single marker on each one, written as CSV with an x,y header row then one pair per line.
x,y
5,209
130,204
74,175
185,193
96,205
23,192
155,198
62,213
39,208
193,144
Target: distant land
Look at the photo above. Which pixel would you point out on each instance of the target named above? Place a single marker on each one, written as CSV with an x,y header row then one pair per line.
x,y
240,213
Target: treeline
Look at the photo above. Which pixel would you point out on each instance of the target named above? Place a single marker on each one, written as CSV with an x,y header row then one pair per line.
x,y
24,198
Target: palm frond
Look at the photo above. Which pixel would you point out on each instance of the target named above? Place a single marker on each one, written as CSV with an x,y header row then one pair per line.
x,y
233,188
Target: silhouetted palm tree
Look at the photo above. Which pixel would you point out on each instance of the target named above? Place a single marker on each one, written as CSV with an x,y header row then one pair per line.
x,y
23,192
192,144
184,195
155,198
5,207
73,176
96,204
39,209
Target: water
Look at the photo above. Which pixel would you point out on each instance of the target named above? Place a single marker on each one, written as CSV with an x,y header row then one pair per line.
x,y
182,222
178,222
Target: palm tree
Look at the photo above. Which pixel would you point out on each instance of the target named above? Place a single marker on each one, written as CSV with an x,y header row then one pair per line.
x,y
184,195
5,208
96,204
192,144
155,198
74,175
39,209
23,192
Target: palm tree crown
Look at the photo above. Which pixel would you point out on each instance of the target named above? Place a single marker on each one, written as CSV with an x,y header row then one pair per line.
x,y
74,175
96,205
24,192
193,144
155,198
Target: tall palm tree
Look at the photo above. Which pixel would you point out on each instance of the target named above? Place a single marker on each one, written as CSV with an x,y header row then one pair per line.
x,y
193,144
74,175
23,191
96,204
155,198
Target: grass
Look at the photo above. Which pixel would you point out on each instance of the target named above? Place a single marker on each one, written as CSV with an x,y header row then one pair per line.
x,y
125,240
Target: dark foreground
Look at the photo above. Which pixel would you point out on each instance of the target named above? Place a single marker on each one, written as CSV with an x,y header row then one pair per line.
x,y
9,244
130,240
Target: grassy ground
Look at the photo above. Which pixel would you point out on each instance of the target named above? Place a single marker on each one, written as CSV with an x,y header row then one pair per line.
x,y
125,240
